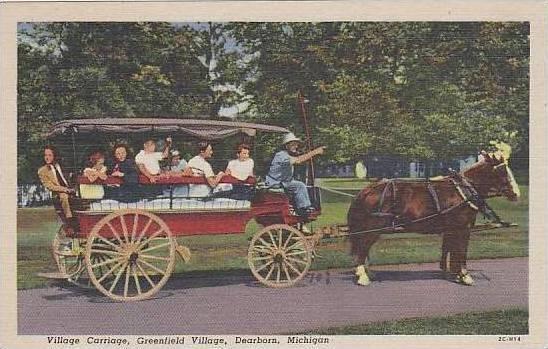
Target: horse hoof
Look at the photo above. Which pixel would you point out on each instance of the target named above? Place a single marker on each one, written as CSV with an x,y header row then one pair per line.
x,y
465,279
363,280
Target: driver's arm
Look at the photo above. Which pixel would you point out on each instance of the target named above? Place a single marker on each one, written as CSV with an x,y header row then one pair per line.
x,y
306,156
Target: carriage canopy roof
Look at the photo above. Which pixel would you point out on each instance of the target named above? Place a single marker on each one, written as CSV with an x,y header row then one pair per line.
x,y
200,128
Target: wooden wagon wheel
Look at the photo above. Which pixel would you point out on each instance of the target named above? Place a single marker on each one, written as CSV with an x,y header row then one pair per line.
x,y
70,264
279,256
138,252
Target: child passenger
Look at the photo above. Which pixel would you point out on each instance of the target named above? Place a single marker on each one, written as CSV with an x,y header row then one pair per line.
x,y
95,170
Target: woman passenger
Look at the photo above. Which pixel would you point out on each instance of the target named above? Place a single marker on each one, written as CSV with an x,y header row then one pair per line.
x,y
241,169
125,169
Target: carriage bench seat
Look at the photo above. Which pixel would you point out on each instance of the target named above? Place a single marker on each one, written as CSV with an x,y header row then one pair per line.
x,y
177,204
143,180
167,180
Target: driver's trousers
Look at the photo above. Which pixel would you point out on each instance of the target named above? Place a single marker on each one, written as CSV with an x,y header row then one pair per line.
x,y
299,193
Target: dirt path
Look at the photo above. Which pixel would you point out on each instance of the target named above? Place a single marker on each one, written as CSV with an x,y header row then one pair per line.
x,y
237,305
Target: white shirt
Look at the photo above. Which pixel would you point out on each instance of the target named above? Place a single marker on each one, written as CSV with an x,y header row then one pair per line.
x,y
58,167
241,169
200,167
151,161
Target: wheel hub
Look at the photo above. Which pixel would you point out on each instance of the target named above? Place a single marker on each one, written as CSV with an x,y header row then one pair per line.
x,y
133,257
278,258
130,252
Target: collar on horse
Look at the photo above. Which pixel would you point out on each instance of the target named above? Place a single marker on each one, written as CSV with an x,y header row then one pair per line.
x,y
474,199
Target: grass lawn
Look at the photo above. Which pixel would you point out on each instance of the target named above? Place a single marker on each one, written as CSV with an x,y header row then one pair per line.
x,y
222,253
501,322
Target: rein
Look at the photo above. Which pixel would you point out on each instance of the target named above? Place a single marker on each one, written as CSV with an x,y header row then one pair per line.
x,y
463,186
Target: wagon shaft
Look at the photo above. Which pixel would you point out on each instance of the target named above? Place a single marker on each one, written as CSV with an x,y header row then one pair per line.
x,y
331,231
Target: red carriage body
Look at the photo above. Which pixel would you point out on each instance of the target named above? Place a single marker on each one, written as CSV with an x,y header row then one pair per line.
x,y
126,239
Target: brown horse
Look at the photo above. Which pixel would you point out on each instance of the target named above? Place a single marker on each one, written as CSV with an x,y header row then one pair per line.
x,y
439,206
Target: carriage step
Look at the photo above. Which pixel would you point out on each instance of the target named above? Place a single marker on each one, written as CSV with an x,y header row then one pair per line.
x,y
54,275
184,253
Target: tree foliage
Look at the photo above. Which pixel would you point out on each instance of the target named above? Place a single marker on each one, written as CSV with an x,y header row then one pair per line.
x,y
422,90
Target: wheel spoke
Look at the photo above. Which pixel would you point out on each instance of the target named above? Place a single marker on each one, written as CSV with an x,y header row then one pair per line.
x,y
118,275
110,271
264,266
297,260
266,244
136,278
288,239
262,249
143,232
294,269
294,246
271,238
144,242
126,284
116,235
110,253
134,228
261,258
280,238
145,274
148,256
116,247
105,262
270,272
124,227
296,253
287,273
155,268
278,273
155,247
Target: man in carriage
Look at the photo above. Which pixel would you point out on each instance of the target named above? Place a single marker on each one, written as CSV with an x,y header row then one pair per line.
x,y
201,167
52,177
148,159
281,171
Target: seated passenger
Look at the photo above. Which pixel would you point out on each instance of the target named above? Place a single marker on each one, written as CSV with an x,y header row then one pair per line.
x,y
178,168
124,168
52,177
281,172
95,169
241,169
178,165
148,159
201,167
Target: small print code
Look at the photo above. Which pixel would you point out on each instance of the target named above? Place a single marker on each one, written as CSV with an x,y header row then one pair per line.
x,y
509,339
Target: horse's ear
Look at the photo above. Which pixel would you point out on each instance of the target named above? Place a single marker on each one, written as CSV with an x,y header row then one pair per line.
x,y
499,156
485,156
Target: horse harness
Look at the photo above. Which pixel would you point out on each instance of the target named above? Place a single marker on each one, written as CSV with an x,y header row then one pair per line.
x,y
464,188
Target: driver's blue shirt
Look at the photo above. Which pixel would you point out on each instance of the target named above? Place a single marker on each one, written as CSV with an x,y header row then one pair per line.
x,y
281,173
281,169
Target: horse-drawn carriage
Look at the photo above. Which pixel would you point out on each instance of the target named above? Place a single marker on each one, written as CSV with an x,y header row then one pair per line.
x,y
127,250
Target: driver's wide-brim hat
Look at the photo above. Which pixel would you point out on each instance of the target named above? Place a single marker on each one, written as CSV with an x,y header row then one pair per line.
x,y
290,137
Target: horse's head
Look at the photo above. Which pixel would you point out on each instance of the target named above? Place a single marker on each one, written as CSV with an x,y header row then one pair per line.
x,y
493,177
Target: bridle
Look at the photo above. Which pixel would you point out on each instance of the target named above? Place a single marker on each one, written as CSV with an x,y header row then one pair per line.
x,y
505,188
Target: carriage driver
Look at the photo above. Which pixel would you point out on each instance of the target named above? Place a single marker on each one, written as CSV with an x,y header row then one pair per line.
x,y
281,172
